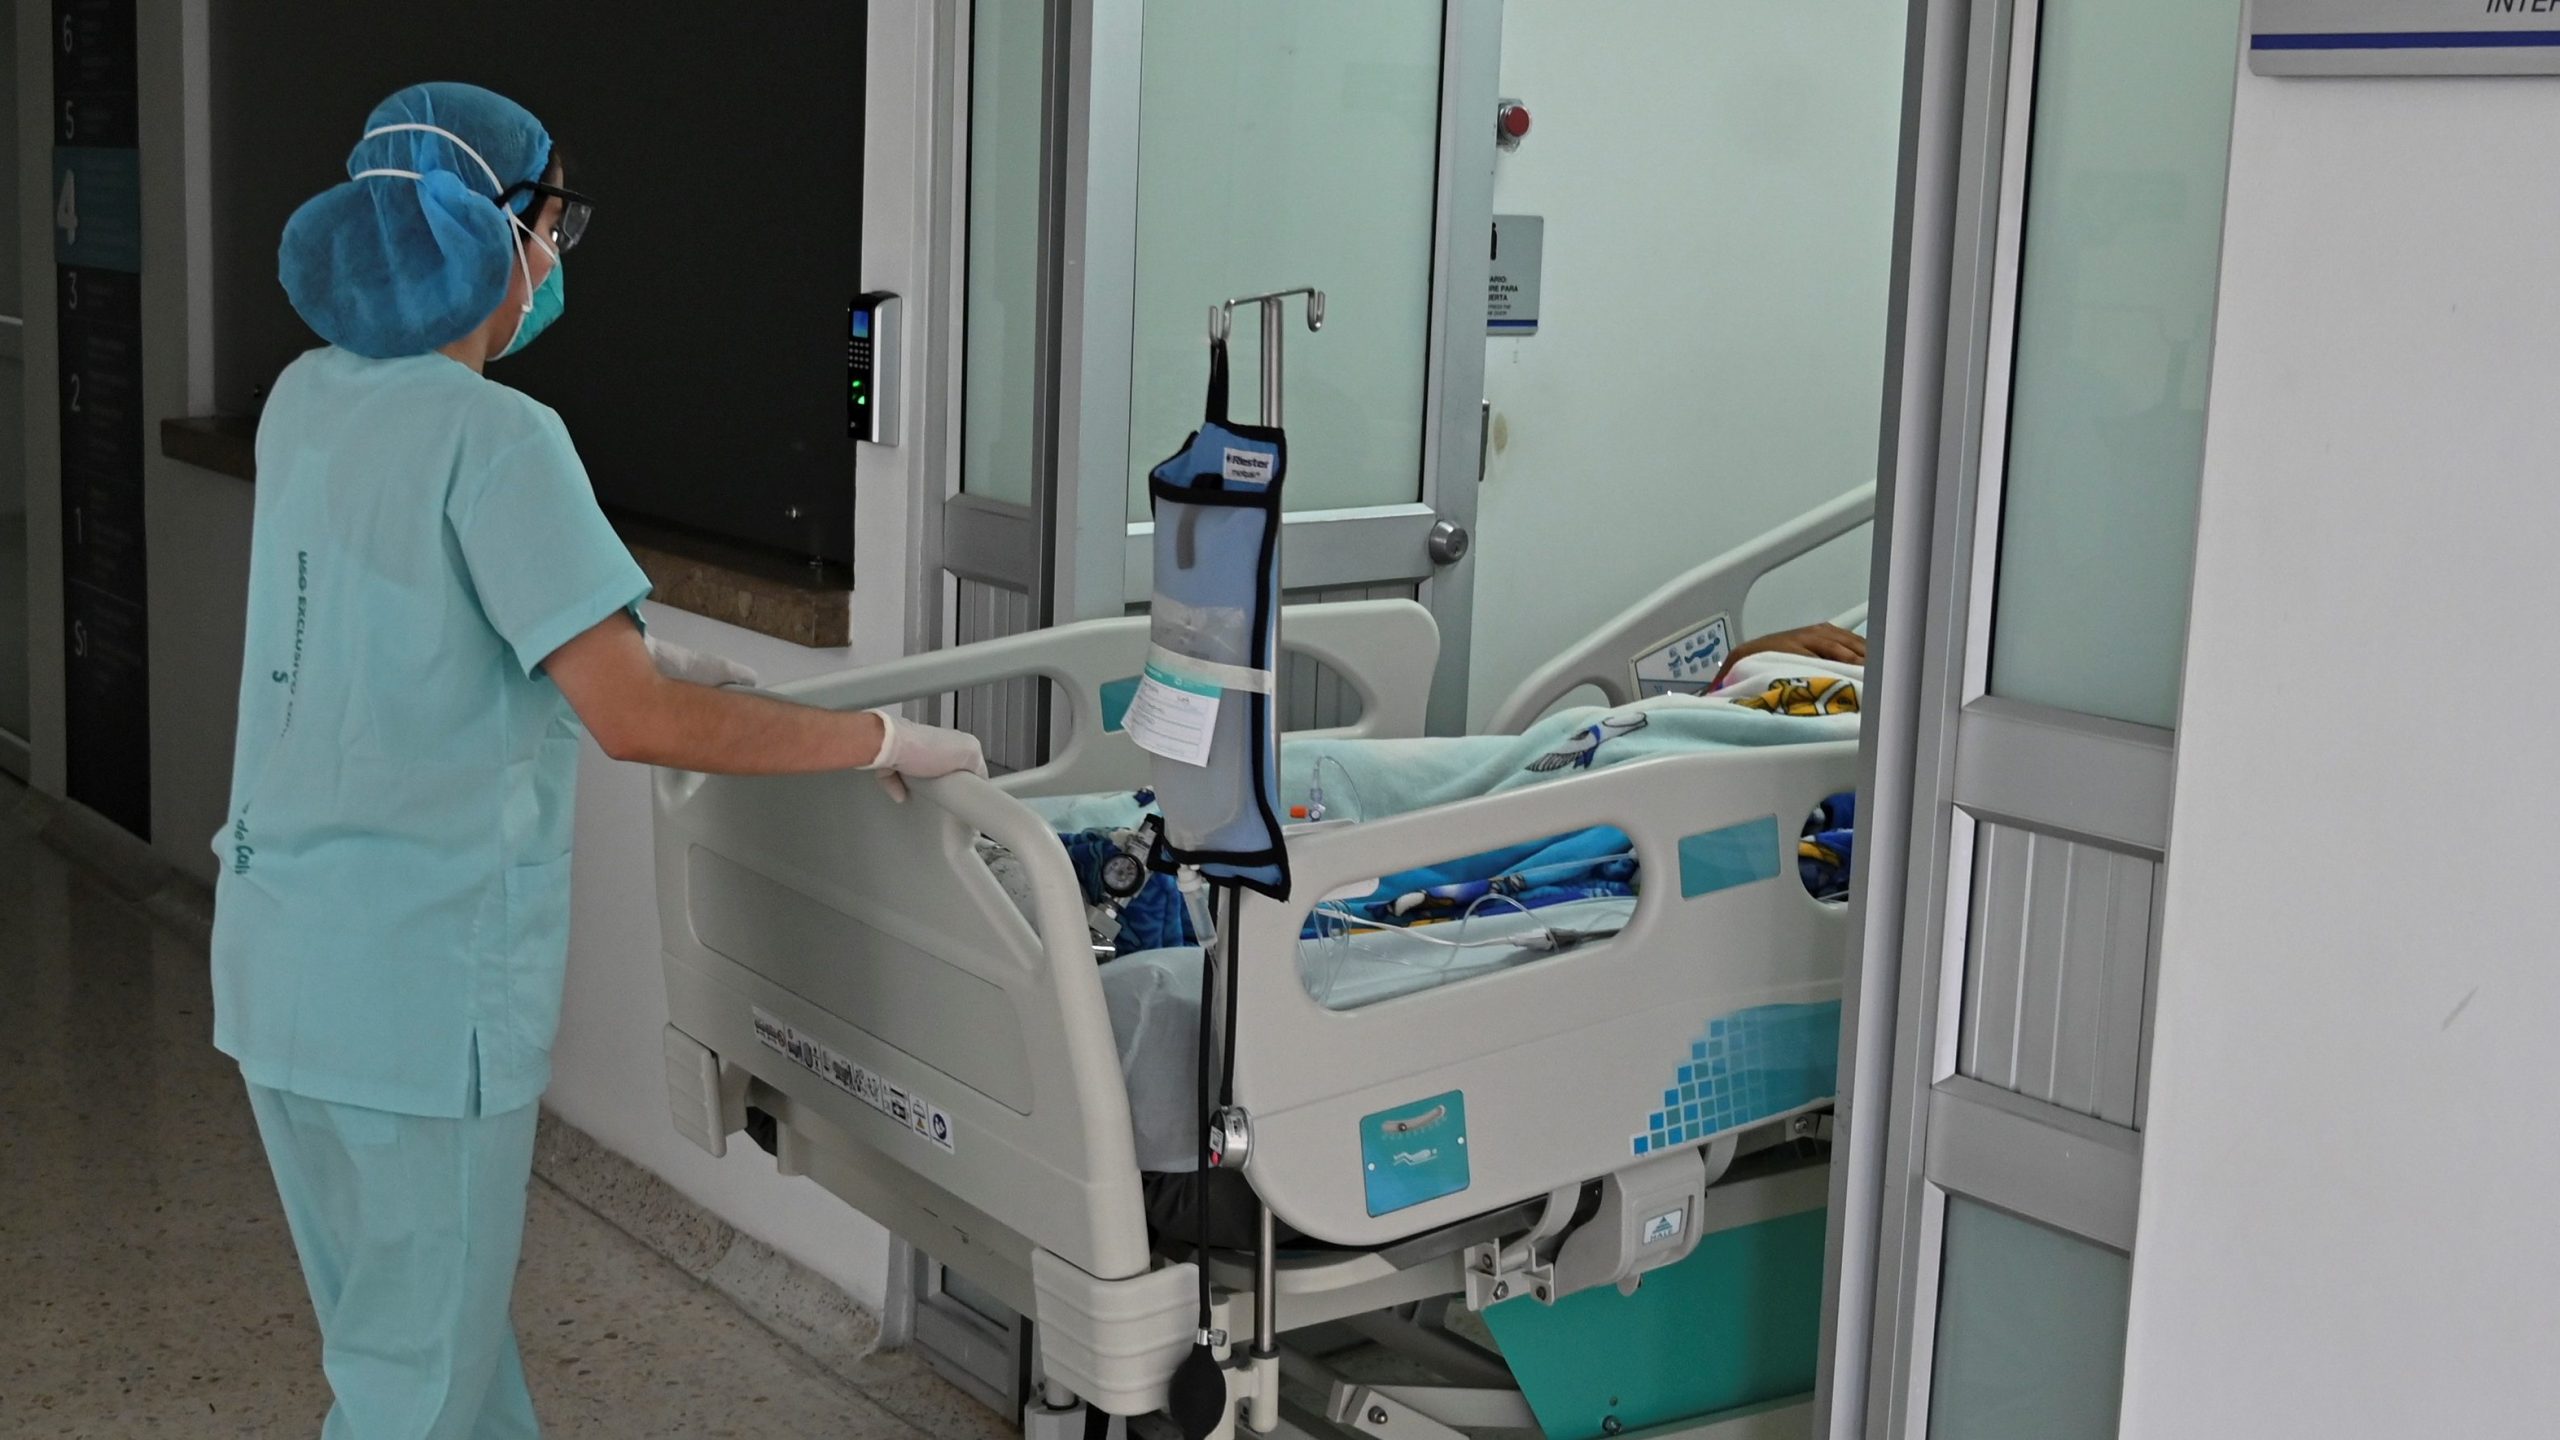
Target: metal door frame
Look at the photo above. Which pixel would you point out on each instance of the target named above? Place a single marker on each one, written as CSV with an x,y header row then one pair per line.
x,y
1073,548
996,541
1943,754
16,753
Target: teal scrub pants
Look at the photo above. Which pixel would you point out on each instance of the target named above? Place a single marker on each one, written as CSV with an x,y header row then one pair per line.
x,y
408,1228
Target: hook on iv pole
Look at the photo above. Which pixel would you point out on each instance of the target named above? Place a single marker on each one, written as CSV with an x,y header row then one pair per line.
x,y
1222,324
1222,316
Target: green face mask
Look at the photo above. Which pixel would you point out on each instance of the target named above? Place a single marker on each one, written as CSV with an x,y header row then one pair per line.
x,y
548,301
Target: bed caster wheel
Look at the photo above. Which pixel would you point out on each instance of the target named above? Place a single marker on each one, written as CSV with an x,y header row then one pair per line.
x,y
1073,1422
766,1131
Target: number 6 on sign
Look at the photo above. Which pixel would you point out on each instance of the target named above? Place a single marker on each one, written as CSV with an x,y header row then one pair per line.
x,y
66,211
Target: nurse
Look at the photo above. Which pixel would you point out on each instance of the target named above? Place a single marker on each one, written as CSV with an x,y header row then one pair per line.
x,y
435,606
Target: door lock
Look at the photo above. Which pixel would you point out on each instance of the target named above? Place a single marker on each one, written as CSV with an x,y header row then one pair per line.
x,y
1448,543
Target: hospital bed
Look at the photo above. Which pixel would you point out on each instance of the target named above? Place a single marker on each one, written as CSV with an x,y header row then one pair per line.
x,y
850,971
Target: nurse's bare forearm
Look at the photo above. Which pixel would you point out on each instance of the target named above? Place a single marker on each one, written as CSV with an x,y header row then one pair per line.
x,y
639,715
724,732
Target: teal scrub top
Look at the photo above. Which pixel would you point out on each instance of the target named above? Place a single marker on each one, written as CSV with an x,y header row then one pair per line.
x,y
392,919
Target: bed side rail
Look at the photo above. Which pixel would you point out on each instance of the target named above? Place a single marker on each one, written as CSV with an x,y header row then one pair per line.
x,y
1606,661
1561,1061
1385,650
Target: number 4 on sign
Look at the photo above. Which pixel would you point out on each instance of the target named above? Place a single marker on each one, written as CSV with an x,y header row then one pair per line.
x,y
66,211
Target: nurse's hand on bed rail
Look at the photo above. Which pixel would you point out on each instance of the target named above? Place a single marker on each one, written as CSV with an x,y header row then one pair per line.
x,y
1821,642
910,749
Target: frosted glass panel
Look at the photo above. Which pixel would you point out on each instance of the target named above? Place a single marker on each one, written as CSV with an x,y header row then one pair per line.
x,y
1283,145
1002,323
2115,322
2031,1329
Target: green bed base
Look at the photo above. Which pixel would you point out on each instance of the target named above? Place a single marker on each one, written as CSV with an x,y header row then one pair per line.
x,y
1736,1324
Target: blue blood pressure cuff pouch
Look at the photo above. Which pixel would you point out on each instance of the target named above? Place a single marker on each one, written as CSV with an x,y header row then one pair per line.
x,y
1204,707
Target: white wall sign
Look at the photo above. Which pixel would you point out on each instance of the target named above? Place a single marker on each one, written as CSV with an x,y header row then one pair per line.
x,y
2404,37
1511,300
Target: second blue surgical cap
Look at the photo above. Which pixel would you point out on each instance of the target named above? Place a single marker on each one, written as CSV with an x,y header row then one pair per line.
x,y
387,266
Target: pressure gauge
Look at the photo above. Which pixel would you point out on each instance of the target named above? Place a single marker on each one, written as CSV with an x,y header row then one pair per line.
x,y
1123,875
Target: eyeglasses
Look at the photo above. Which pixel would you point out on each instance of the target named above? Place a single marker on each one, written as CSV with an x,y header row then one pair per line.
x,y
575,210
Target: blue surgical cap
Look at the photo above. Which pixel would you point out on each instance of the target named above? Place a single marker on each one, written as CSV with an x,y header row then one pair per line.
x,y
387,266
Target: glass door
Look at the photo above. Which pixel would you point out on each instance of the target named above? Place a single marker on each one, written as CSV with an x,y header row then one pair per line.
x,y
1345,145
2065,181
1180,153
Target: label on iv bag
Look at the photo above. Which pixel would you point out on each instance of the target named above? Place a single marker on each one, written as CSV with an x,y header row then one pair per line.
x,y
1173,716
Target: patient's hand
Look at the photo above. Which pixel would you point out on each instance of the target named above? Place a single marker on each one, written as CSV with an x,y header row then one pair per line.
x,y
1821,642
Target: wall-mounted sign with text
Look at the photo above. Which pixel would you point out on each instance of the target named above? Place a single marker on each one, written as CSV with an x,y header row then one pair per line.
x,y
2404,37
97,296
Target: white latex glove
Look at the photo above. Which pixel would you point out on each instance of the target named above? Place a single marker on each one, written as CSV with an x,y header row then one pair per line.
x,y
913,748
677,663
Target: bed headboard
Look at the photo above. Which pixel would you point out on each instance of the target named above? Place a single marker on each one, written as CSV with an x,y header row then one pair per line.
x,y
1607,660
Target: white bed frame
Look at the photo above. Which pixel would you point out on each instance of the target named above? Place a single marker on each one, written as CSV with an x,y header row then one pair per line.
x,y
873,931
1716,590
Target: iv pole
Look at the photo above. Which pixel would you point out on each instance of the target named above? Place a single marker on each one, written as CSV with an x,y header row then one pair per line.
x,y
1263,1395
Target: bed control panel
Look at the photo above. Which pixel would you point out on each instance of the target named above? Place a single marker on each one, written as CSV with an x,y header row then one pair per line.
x,y
1686,664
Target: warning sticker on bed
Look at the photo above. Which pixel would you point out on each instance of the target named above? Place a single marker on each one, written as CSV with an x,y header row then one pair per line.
x,y
1688,665
1415,1153
909,1110
1173,716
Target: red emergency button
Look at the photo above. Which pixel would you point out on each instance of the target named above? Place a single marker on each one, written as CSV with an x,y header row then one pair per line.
x,y
1511,123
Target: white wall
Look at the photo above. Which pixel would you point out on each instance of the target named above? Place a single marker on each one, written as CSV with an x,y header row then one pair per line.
x,y
1717,178
2348,1213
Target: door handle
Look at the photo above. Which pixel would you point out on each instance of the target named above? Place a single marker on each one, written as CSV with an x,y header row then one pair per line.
x,y
1448,543
1484,438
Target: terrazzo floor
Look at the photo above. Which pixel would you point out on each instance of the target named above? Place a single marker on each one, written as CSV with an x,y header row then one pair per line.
x,y
147,1284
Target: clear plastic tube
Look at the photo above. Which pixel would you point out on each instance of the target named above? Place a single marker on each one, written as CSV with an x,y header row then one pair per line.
x,y
1319,808
1326,954
1333,951
1195,899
